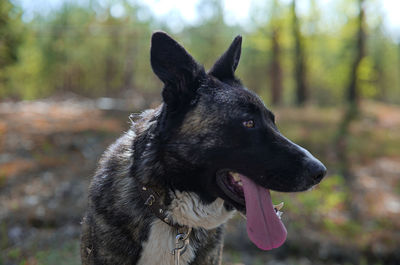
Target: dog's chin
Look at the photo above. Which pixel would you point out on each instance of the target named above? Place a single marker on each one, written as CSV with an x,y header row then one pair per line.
x,y
231,189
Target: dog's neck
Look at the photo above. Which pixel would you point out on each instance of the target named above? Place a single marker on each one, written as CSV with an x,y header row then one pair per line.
x,y
160,244
182,208
185,209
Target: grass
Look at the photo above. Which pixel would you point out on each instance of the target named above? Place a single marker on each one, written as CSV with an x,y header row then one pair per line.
x,y
65,254
68,254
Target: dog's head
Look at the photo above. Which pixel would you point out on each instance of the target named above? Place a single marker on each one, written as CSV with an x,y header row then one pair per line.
x,y
218,137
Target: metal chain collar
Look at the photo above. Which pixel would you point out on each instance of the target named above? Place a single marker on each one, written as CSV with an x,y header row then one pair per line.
x,y
154,203
181,243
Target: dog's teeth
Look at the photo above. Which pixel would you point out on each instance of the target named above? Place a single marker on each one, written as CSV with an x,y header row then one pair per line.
x,y
279,214
235,176
279,206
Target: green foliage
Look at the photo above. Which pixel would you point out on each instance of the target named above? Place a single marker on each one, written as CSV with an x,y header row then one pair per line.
x,y
14,253
323,207
10,39
367,75
28,68
3,235
86,49
330,194
68,254
397,188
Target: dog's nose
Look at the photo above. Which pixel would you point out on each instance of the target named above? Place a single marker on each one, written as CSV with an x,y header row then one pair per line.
x,y
316,169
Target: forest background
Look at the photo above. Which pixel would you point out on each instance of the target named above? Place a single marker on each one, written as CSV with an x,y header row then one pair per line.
x,y
71,73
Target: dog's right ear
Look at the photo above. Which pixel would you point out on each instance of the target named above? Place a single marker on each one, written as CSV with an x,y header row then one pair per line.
x,y
225,66
176,68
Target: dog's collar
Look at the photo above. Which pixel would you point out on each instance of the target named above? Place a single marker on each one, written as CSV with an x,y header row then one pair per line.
x,y
153,201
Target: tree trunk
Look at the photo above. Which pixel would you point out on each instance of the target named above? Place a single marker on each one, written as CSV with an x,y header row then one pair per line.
x,y
342,146
276,70
299,60
353,93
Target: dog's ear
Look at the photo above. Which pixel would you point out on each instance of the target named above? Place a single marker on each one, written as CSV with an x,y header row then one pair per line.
x,y
225,66
176,68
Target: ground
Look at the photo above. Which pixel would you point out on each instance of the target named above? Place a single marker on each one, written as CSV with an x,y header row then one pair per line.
x,y
49,150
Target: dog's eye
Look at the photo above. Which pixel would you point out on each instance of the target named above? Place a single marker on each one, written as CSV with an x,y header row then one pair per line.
x,y
248,124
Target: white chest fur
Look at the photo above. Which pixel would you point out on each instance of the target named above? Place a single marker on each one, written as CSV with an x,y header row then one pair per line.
x,y
185,209
157,249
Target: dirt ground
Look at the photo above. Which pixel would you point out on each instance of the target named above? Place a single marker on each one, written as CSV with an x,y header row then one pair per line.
x,y
49,150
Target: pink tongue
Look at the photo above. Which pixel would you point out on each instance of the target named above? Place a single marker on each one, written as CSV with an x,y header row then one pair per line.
x,y
264,227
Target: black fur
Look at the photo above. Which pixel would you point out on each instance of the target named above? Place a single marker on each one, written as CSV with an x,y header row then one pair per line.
x,y
225,67
184,145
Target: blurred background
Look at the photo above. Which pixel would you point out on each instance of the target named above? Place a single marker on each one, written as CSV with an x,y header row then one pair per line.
x,y
71,72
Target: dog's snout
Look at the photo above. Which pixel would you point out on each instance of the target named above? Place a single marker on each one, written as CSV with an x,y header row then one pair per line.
x,y
316,169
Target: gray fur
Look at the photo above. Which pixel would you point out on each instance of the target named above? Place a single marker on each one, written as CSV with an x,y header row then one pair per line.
x,y
117,224
180,150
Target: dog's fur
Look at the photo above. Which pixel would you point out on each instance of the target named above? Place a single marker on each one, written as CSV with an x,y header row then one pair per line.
x,y
180,149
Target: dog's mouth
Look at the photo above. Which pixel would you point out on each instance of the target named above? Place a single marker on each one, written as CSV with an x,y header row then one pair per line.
x,y
264,225
231,184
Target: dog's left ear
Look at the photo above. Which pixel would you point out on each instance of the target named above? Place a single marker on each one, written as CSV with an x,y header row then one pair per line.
x,y
176,68
225,66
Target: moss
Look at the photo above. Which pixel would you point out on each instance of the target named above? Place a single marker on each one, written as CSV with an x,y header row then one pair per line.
x,y
14,253
68,254
3,235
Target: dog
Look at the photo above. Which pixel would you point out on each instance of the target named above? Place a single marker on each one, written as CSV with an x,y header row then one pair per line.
x,y
164,190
